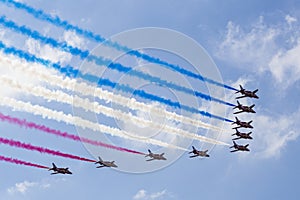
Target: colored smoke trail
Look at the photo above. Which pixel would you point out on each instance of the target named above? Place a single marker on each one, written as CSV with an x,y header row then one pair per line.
x,y
76,101
71,72
101,61
21,162
77,121
18,144
32,125
41,15
88,90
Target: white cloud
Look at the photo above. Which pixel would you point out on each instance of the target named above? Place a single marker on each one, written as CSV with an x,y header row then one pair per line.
x,y
265,47
27,186
47,52
21,187
158,195
272,134
73,39
285,65
253,47
290,20
143,195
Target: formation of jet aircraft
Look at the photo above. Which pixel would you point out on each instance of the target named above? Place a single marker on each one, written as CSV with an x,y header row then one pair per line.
x,y
195,152
243,124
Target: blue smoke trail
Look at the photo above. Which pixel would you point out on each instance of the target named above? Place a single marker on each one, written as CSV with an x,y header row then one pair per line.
x,y
101,61
74,73
39,14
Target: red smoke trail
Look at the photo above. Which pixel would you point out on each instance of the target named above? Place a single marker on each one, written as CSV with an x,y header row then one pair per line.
x,y
18,144
24,123
20,162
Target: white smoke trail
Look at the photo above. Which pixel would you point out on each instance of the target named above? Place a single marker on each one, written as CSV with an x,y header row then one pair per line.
x,y
88,90
86,104
74,120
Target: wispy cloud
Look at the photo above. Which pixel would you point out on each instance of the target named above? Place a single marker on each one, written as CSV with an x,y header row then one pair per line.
x,y
144,195
23,187
272,134
47,52
264,47
74,40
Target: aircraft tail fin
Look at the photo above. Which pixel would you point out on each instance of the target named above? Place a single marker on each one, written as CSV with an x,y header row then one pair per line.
x,y
255,91
241,89
53,167
234,144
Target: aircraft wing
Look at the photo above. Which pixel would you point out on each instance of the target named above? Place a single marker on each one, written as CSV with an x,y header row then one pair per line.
x,y
193,156
238,112
150,159
234,150
240,97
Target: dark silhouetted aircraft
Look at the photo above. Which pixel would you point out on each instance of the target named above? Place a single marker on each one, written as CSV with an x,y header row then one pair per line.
x,y
246,93
105,163
239,147
154,156
57,170
242,135
242,108
242,124
198,153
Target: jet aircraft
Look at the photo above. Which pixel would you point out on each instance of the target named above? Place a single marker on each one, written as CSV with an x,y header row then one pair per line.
x,y
57,170
242,108
247,93
105,163
154,156
239,147
242,135
242,124
198,153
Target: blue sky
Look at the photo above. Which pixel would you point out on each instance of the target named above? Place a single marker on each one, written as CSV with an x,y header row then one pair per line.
x,y
252,43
